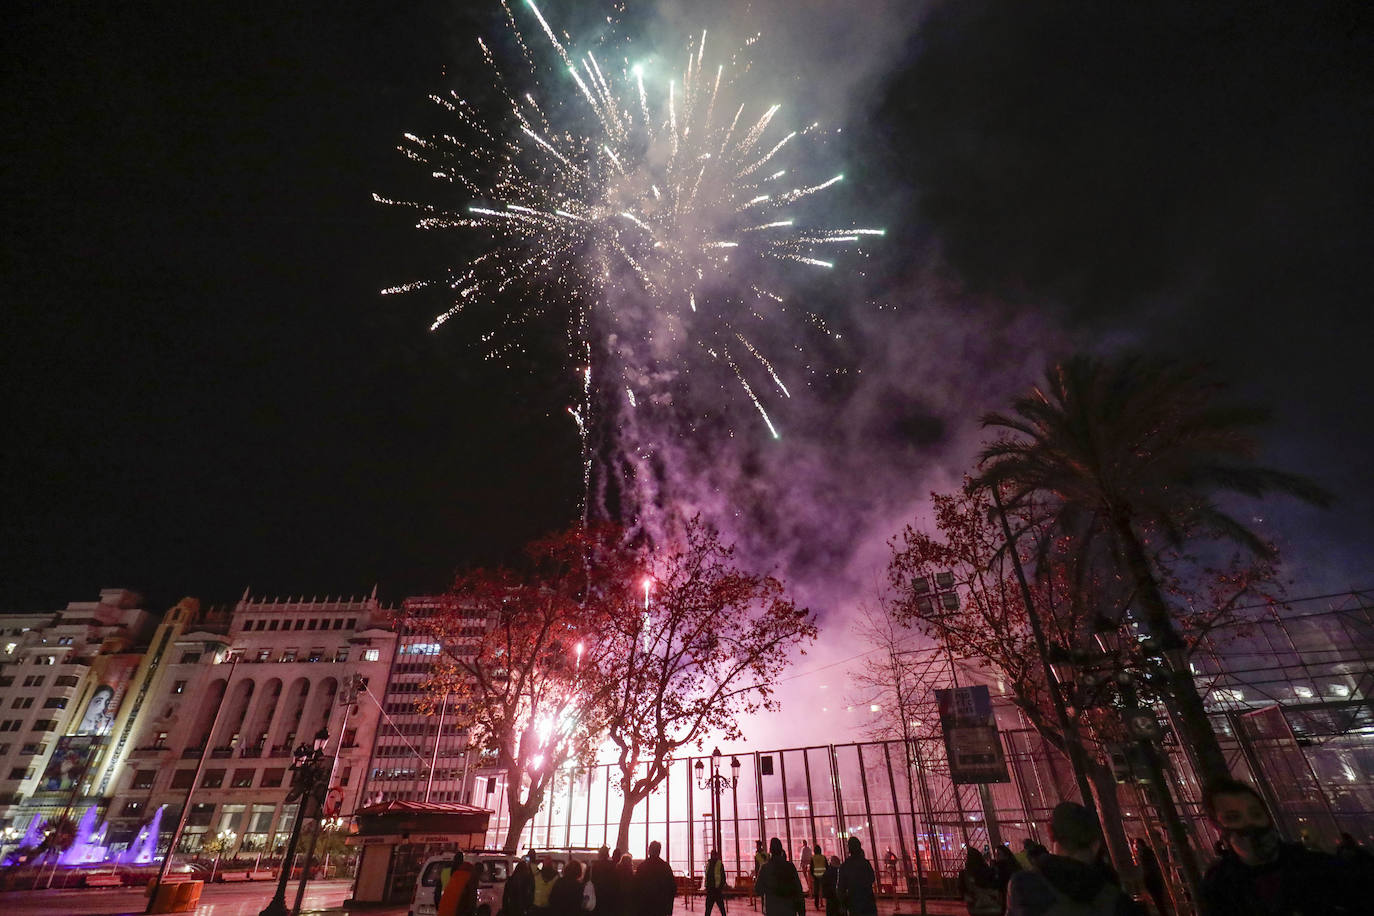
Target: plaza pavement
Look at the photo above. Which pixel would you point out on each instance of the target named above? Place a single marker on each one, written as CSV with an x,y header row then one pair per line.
x,y
325,898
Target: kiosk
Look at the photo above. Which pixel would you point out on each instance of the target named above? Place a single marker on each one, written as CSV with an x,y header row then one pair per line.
x,y
396,837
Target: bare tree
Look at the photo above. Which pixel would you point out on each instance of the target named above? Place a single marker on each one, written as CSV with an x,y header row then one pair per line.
x,y
530,691
701,646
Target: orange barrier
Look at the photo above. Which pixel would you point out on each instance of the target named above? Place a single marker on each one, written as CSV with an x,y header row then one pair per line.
x,y
175,896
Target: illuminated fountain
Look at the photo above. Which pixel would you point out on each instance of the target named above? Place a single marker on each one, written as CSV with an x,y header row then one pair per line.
x,y
88,845
144,846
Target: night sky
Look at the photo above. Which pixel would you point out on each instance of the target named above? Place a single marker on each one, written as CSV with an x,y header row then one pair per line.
x,y
205,390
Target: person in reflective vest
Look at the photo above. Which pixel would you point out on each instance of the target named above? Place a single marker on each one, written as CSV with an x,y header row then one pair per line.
x,y
715,883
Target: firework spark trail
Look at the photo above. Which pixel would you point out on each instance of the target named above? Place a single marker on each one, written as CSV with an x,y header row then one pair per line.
x,y
620,197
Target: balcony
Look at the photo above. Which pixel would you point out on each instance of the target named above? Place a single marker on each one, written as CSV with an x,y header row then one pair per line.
x,y
251,751
222,752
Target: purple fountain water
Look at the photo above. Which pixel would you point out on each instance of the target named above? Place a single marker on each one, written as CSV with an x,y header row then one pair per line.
x,y
31,838
144,846
81,846
34,835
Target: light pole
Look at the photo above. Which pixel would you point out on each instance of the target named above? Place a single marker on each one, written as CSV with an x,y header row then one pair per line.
x,y
309,782
1086,676
8,837
223,841
717,783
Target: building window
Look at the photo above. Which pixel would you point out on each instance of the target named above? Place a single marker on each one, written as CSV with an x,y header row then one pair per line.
x,y
22,702
6,680
300,624
33,750
20,773
347,775
66,680
34,680
65,641
183,779
132,808
44,725
271,779
55,703
11,725
190,658
338,623
311,624
316,654
341,655
289,655
179,687
143,779
213,779
45,659
243,779
272,625
264,655
372,655
352,623
201,815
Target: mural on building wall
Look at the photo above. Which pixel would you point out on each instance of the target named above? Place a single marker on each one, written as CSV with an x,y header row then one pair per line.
x,y
113,679
70,760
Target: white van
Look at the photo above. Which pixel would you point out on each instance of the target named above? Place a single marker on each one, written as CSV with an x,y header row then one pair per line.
x,y
492,870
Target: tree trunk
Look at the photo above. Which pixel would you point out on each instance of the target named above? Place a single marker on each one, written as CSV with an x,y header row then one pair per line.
x,y
1113,824
1197,729
521,812
518,822
627,813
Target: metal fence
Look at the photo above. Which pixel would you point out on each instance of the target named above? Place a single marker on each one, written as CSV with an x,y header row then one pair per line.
x,y
1299,723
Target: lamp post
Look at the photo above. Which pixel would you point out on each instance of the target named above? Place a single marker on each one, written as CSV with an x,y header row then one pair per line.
x,y
1088,676
717,783
309,782
8,837
223,841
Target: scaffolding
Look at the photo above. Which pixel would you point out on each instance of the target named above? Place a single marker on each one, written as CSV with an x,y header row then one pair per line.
x,y
1292,698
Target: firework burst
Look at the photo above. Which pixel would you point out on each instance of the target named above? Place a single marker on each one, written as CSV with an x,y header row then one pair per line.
x,y
650,203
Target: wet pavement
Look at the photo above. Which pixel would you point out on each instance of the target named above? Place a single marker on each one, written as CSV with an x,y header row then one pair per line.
x,y
325,898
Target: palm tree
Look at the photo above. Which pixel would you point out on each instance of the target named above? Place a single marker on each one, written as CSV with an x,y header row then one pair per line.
x,y
1134,452
59,833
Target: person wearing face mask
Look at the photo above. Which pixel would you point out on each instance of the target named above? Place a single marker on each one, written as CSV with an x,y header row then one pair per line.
x,y
1263,875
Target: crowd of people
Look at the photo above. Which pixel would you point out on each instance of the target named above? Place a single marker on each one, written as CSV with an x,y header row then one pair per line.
x,y
1255,873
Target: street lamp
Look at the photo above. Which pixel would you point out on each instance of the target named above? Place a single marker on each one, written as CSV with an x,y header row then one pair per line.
x,y
717,784
309,783
8,837
1107,675
223,841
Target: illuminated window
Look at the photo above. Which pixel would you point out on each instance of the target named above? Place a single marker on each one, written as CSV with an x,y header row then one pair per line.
x,y
372,655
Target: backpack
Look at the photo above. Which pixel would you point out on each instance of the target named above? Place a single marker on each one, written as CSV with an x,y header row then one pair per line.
x,y
1104,904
